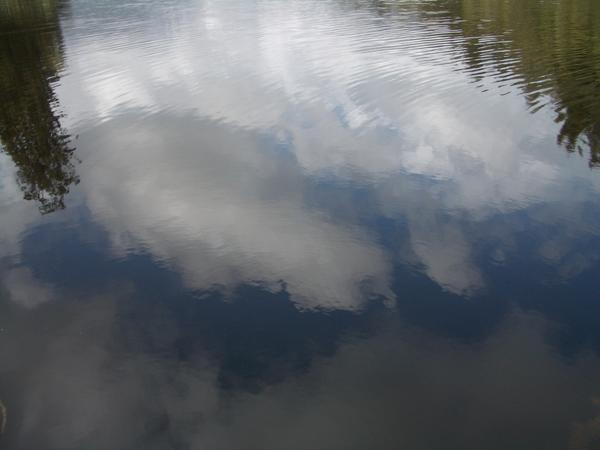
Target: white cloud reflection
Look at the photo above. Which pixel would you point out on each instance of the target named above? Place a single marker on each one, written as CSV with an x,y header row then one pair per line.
x,y
16,214
220,210
355,100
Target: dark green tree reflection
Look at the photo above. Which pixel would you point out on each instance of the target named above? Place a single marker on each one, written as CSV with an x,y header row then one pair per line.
x,y
547,49
30,128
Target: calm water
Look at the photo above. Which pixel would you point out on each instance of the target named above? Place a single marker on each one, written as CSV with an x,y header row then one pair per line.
x,y
300,224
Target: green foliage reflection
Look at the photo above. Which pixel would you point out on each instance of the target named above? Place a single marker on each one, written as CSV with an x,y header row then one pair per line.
x,y
30,129
548,49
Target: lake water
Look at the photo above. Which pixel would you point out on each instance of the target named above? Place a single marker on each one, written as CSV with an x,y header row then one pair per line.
x,y
300,224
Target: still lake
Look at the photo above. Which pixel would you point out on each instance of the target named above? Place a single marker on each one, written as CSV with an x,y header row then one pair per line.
x,y
300,224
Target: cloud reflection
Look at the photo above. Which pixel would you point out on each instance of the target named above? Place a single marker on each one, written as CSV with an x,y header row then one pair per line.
x,y
223,209
84,391
346,110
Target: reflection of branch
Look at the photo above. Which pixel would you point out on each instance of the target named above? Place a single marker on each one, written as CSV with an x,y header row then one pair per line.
x,y
2,417
19,15
42,154
584,434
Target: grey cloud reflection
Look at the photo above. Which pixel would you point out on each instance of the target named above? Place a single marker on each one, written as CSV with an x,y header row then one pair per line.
x,y
81,391
25,289
468,395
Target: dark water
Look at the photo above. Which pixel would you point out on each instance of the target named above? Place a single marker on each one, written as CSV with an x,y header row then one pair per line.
x,y
300,224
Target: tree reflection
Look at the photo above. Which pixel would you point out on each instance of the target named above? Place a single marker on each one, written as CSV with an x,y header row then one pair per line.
x,y
549,50
30,128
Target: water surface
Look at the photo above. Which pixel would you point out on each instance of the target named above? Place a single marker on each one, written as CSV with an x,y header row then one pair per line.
x,y
299,224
